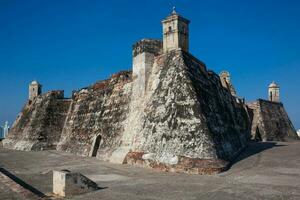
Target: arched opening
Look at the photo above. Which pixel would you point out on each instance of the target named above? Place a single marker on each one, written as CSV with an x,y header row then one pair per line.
x,y
95,146
170,29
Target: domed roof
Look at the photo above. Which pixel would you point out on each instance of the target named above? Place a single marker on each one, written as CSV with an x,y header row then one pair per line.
x,y
273,85
224,73
34,83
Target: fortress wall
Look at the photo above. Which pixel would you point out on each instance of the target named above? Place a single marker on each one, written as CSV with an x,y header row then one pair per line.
x,y
270,121
39,124
169,113
226,117
187,115
97,111
144,53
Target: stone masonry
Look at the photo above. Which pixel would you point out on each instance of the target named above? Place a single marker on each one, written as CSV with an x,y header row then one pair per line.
x,y
40,123
169,113
270,121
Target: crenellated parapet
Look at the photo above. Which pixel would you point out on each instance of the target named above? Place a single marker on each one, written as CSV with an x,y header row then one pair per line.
x,y
58,94
151,46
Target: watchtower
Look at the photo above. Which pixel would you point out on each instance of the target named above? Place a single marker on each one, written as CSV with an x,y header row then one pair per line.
x,y
144,53
274,92
175,33
35,89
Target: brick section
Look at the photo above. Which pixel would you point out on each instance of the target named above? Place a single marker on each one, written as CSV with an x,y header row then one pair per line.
x,y
184,165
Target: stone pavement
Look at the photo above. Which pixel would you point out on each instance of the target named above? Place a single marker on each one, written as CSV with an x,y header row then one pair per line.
x,y
264,171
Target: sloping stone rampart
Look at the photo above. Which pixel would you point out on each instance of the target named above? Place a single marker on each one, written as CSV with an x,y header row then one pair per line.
x,y
39,124
187,113
97,111
270,121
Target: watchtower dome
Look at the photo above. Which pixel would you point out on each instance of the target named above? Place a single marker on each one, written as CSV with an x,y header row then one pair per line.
x,y
175,33
274,92
35,89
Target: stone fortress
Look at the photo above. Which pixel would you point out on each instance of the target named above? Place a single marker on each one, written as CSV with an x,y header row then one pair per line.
x,y
169,113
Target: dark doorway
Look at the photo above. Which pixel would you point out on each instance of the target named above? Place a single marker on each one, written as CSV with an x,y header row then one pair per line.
x,y
257,135
96,145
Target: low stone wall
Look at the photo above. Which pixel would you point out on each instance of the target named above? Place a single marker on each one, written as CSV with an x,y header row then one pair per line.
x,y
66,183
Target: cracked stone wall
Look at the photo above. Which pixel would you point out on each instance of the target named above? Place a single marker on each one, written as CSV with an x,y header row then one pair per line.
x,y
98,110
270,121
39,124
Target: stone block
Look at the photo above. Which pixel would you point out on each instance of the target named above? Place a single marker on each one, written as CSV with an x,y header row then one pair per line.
x,y
66,183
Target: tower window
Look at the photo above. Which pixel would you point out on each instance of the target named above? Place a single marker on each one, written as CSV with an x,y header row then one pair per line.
x,y
170,29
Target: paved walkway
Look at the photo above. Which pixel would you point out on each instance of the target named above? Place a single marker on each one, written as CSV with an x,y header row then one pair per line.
x,y
263,171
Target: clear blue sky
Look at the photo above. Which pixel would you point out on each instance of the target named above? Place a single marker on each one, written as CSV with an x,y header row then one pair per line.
x,y
70,44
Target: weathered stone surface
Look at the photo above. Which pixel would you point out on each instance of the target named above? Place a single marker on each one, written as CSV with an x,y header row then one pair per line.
x,y
187,113
66,183
39,124
270,122
226,82
169,113
181,117
147,45
144,53
98,110
179,164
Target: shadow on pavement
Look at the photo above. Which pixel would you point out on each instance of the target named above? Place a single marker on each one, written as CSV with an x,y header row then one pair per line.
x,y
255,148
22,183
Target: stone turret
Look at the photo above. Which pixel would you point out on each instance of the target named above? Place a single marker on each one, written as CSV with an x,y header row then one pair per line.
x,y
144,52
274,92
35,89
175,33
